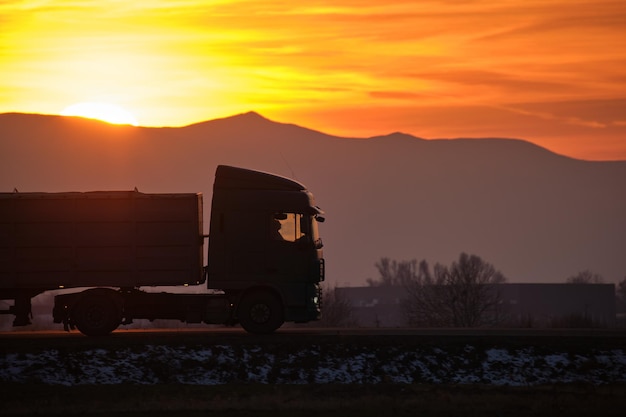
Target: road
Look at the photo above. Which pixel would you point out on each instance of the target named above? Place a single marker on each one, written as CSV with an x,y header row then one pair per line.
x,y
599,338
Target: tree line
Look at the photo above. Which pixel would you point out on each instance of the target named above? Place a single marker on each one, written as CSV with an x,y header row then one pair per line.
x,y
462,294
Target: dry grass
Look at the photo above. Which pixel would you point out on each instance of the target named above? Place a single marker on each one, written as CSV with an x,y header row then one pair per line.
x,y
311,400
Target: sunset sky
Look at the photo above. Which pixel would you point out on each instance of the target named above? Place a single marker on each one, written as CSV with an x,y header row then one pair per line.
x,y
549,71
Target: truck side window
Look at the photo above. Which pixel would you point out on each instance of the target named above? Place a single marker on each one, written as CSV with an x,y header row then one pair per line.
x,y
286,227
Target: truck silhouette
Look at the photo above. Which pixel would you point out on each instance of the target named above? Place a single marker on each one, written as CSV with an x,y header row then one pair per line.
x,y
264,256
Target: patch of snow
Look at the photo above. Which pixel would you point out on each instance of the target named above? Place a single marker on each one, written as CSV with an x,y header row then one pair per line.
x,y
222,364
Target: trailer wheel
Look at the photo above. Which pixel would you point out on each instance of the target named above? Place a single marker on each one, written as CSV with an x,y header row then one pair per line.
x,y
97,314
260,312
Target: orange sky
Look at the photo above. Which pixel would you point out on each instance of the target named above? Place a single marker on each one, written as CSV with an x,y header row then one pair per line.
x,y
549,71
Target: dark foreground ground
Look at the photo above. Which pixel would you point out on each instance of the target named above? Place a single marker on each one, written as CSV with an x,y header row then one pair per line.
x,y
312,400
151,373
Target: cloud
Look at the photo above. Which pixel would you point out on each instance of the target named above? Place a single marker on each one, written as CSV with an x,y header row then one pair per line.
x,y
186,61
395,95
551,116
600,113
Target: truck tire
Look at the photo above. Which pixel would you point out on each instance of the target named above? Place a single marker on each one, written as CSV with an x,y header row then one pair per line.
x,y
97,314
260,312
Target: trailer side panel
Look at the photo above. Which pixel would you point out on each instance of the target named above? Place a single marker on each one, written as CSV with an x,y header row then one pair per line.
x,y
117,239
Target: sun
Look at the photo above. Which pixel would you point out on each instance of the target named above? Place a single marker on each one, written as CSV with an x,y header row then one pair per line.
x,y
106,112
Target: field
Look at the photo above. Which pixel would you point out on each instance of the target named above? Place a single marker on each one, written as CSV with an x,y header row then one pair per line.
x,y
234,374
312,400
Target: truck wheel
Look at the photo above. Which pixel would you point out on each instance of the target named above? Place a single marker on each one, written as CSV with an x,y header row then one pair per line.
x,y
260,313
97,314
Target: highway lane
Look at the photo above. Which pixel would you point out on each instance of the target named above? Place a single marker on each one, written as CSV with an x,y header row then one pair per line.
x,y
334,331
565,338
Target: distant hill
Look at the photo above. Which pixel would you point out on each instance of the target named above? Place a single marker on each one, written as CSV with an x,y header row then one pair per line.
x,y
535,215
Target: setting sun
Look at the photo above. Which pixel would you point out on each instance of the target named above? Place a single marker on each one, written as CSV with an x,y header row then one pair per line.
x,y
543,71
106,112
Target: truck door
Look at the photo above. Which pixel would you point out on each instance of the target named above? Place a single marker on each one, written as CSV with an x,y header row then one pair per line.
x,y
291,252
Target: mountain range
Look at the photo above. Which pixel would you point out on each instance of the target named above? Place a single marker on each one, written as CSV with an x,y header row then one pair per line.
x,y
535,215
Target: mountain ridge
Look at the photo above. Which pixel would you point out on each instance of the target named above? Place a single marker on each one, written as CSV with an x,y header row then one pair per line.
x,y
535,215
252,118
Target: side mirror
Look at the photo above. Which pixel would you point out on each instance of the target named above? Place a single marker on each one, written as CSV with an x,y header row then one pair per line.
x,y
320,219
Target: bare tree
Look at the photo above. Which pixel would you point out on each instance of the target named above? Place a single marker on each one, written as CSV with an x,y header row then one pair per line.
x,y
393,272
426,302
585,277
336,309
474,297
621,289
620,299
462,295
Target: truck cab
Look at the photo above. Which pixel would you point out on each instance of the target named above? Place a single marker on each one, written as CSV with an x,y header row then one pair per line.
x,y
264,248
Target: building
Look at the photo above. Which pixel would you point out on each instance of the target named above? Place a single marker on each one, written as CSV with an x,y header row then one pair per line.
x,y
522,305
375,306
559,305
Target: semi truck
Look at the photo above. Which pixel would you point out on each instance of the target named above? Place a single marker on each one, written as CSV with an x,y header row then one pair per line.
x,y
116,250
